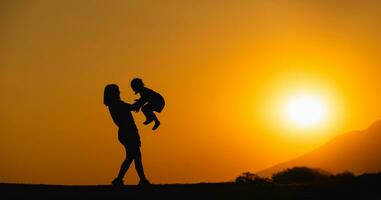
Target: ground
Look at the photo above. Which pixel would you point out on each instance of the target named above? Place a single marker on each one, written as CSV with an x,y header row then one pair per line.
x,y
346,189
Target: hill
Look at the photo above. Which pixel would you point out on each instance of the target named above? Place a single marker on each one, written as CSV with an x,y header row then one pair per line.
x,y
358,152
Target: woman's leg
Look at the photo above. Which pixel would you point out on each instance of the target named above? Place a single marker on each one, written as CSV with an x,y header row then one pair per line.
x,y
139,165
125,165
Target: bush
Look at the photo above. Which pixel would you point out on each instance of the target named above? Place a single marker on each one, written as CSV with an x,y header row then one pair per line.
x,y
250,178
345,176
301,175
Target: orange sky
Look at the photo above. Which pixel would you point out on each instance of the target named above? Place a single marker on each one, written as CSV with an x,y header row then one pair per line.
x,y
224,69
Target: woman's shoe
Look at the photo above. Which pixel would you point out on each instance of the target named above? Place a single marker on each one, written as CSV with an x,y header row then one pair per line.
x,y
144,182
117,182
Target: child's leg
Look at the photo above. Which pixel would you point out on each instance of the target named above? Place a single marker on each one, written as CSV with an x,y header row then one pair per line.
x,y
148,112
150,115
157,122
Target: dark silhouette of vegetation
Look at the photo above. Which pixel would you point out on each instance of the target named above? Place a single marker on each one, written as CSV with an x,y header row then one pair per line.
x,y
345,176
301,175
296,175
250,178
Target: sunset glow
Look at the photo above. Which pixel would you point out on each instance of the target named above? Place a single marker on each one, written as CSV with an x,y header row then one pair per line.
x,y
305,110
247,84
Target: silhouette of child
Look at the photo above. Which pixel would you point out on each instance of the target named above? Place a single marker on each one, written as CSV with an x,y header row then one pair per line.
x,y
149,102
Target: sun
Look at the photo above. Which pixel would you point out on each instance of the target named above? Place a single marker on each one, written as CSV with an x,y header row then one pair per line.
x,y
305,110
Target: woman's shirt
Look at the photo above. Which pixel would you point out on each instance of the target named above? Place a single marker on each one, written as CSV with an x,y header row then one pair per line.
x,y
121,115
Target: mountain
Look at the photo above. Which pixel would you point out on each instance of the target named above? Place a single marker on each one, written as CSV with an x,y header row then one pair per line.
x,y
358,152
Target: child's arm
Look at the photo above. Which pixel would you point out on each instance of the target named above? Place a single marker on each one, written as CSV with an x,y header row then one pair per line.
x,y
143,100
140,102
136,106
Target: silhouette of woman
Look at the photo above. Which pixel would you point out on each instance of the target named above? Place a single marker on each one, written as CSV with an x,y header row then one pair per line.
x,y
127,134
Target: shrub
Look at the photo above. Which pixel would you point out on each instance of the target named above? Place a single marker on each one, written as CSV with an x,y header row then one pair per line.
x,y
250,178
345,176
301,175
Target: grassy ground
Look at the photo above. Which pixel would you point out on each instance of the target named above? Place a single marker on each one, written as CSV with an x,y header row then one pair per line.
x,y
349,189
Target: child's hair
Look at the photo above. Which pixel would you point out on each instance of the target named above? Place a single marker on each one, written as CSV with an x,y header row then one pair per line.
x,y
137,83
111,94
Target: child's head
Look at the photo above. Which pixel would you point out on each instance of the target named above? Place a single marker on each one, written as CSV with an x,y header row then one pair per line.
x,y
137,84
111,94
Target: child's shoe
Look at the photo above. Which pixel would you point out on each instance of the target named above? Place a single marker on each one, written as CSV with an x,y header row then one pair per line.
x,y
147,121
157,124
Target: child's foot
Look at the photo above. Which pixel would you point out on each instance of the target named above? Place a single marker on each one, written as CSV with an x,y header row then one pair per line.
x,y
157,124
147,121
117,182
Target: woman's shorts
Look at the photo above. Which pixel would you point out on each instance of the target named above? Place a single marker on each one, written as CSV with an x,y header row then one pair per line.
x,y
129,139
